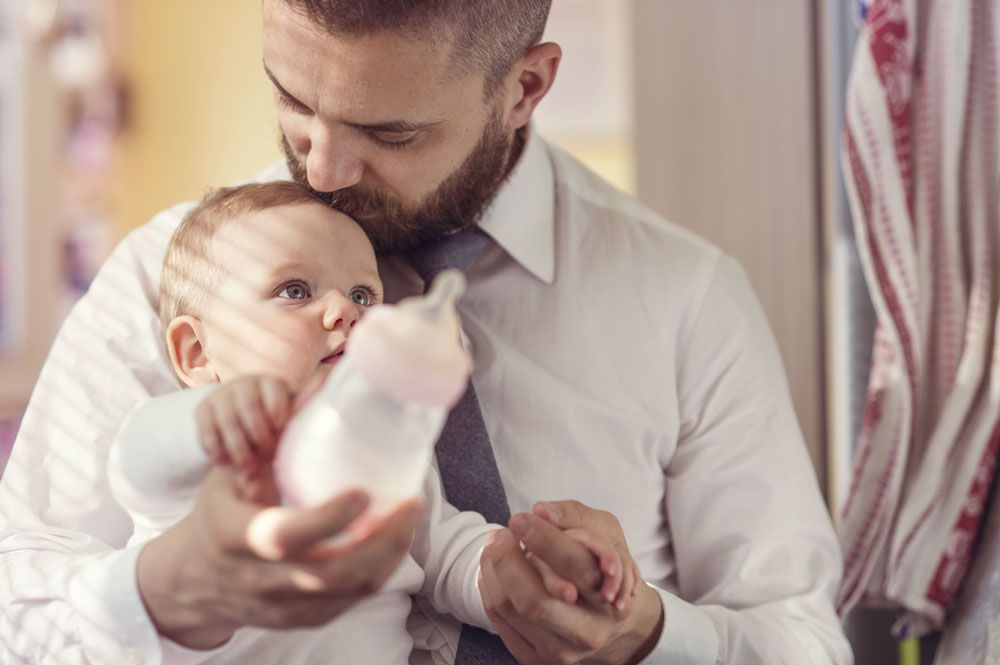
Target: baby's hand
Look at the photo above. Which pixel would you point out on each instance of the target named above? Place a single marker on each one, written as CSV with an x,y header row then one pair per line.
x,y
240,422
620,585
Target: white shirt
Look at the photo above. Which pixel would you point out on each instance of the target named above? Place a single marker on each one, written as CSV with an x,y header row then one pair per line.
x,y
620,361
155,468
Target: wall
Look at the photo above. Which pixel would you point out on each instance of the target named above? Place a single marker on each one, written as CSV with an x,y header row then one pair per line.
x,y
201,110
725,95
19,366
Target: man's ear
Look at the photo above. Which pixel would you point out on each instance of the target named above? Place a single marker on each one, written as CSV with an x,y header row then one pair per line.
x,y
186,347
530,81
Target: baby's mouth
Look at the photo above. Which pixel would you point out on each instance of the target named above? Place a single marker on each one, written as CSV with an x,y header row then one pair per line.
x,y
333,358
337,354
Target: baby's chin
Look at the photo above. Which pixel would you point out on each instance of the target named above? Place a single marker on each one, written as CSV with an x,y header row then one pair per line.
x,y
312,383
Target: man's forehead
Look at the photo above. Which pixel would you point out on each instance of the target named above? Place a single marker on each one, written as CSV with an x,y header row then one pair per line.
x,y
377,68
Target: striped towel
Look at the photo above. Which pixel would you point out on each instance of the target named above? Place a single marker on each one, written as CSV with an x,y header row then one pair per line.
x,y
920,148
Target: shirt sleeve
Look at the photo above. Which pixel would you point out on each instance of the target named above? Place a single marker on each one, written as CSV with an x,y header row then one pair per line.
x,y
449,550
157,464
756,555
67,582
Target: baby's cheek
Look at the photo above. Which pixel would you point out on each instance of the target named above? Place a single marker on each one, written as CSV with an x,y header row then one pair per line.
x,y
293,353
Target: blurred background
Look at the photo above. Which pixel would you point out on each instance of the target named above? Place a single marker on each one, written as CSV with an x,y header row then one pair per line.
x,y
723,115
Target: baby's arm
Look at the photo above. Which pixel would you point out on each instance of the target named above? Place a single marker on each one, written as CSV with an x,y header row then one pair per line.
x,y
168,443
447,546
156,462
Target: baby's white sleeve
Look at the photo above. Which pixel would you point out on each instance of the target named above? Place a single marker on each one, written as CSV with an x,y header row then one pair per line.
x,y
448,550
157,463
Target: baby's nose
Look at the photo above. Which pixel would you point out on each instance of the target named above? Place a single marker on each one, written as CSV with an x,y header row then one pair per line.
x,y
340,312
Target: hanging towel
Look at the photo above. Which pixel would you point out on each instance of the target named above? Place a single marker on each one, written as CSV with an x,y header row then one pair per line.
x,y
920,151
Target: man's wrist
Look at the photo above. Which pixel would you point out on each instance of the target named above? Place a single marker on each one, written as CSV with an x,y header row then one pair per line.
x,y
639,638
159,588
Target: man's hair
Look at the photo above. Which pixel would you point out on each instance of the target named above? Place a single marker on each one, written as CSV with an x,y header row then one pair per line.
x,y
190,272
487,35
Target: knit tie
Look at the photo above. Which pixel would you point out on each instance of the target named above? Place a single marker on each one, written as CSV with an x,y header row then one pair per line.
x,y
464,454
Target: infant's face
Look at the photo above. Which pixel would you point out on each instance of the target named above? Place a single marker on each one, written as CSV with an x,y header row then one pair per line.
x,y
297,279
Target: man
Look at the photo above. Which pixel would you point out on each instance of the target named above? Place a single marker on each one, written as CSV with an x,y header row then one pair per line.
x,y
623,366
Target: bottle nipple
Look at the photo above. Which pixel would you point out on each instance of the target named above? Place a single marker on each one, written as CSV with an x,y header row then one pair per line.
x,y
440,305
412,350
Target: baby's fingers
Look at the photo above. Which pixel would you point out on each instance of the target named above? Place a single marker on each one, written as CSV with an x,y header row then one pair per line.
x,y
211,440
610,561
630,590
629,587
233,436
555,586
277,401
256,428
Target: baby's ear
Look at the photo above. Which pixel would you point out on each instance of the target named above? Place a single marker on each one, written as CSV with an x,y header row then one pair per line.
x,y
186,346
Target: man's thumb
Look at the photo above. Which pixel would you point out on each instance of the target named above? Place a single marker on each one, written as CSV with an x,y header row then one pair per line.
x,y
564,514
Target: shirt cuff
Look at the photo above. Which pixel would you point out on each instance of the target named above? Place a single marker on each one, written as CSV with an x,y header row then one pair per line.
x,y
175,654
114,626
689,636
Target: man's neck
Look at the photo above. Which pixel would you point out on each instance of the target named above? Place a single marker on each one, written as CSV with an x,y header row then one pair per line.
x,y
516,148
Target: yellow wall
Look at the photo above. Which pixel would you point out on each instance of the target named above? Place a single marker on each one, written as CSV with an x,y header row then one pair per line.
x,y
201,111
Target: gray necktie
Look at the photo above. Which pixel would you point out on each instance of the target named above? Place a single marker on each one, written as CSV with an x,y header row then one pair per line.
x,y
464,454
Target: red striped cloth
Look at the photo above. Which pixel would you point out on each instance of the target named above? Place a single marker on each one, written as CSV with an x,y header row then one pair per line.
x,y
920,148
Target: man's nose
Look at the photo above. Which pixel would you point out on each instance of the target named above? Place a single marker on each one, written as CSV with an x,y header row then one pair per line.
x,y
332,164
339,311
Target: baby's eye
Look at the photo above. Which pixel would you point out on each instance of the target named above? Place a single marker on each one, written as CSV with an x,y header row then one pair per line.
x,y
361,296
294,291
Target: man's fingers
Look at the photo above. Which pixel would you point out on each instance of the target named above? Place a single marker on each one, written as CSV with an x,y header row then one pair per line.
x,y
550,624
568,559
564,514
492,593
350,570
528,635
276,533
556,586
365,562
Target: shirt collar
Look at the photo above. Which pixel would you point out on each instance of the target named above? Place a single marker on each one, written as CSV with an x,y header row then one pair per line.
x,y
521,218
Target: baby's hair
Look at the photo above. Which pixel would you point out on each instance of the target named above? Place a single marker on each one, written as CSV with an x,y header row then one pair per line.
x,y
189,271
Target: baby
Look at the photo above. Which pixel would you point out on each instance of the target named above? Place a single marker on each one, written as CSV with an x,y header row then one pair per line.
x,y
261,287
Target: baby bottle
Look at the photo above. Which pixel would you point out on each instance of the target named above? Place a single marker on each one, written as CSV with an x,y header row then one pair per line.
x,y
373,424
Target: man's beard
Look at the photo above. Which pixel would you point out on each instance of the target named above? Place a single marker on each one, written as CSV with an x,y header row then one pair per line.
x,y
457,204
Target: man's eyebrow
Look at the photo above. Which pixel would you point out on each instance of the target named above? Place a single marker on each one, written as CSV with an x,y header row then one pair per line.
x,y
393,126
281,89
389,126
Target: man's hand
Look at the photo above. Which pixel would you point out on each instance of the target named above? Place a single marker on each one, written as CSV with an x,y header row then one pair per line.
x,y
232,563
531,619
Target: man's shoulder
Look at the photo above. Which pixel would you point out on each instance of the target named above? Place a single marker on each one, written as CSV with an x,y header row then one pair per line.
x,y
595,214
